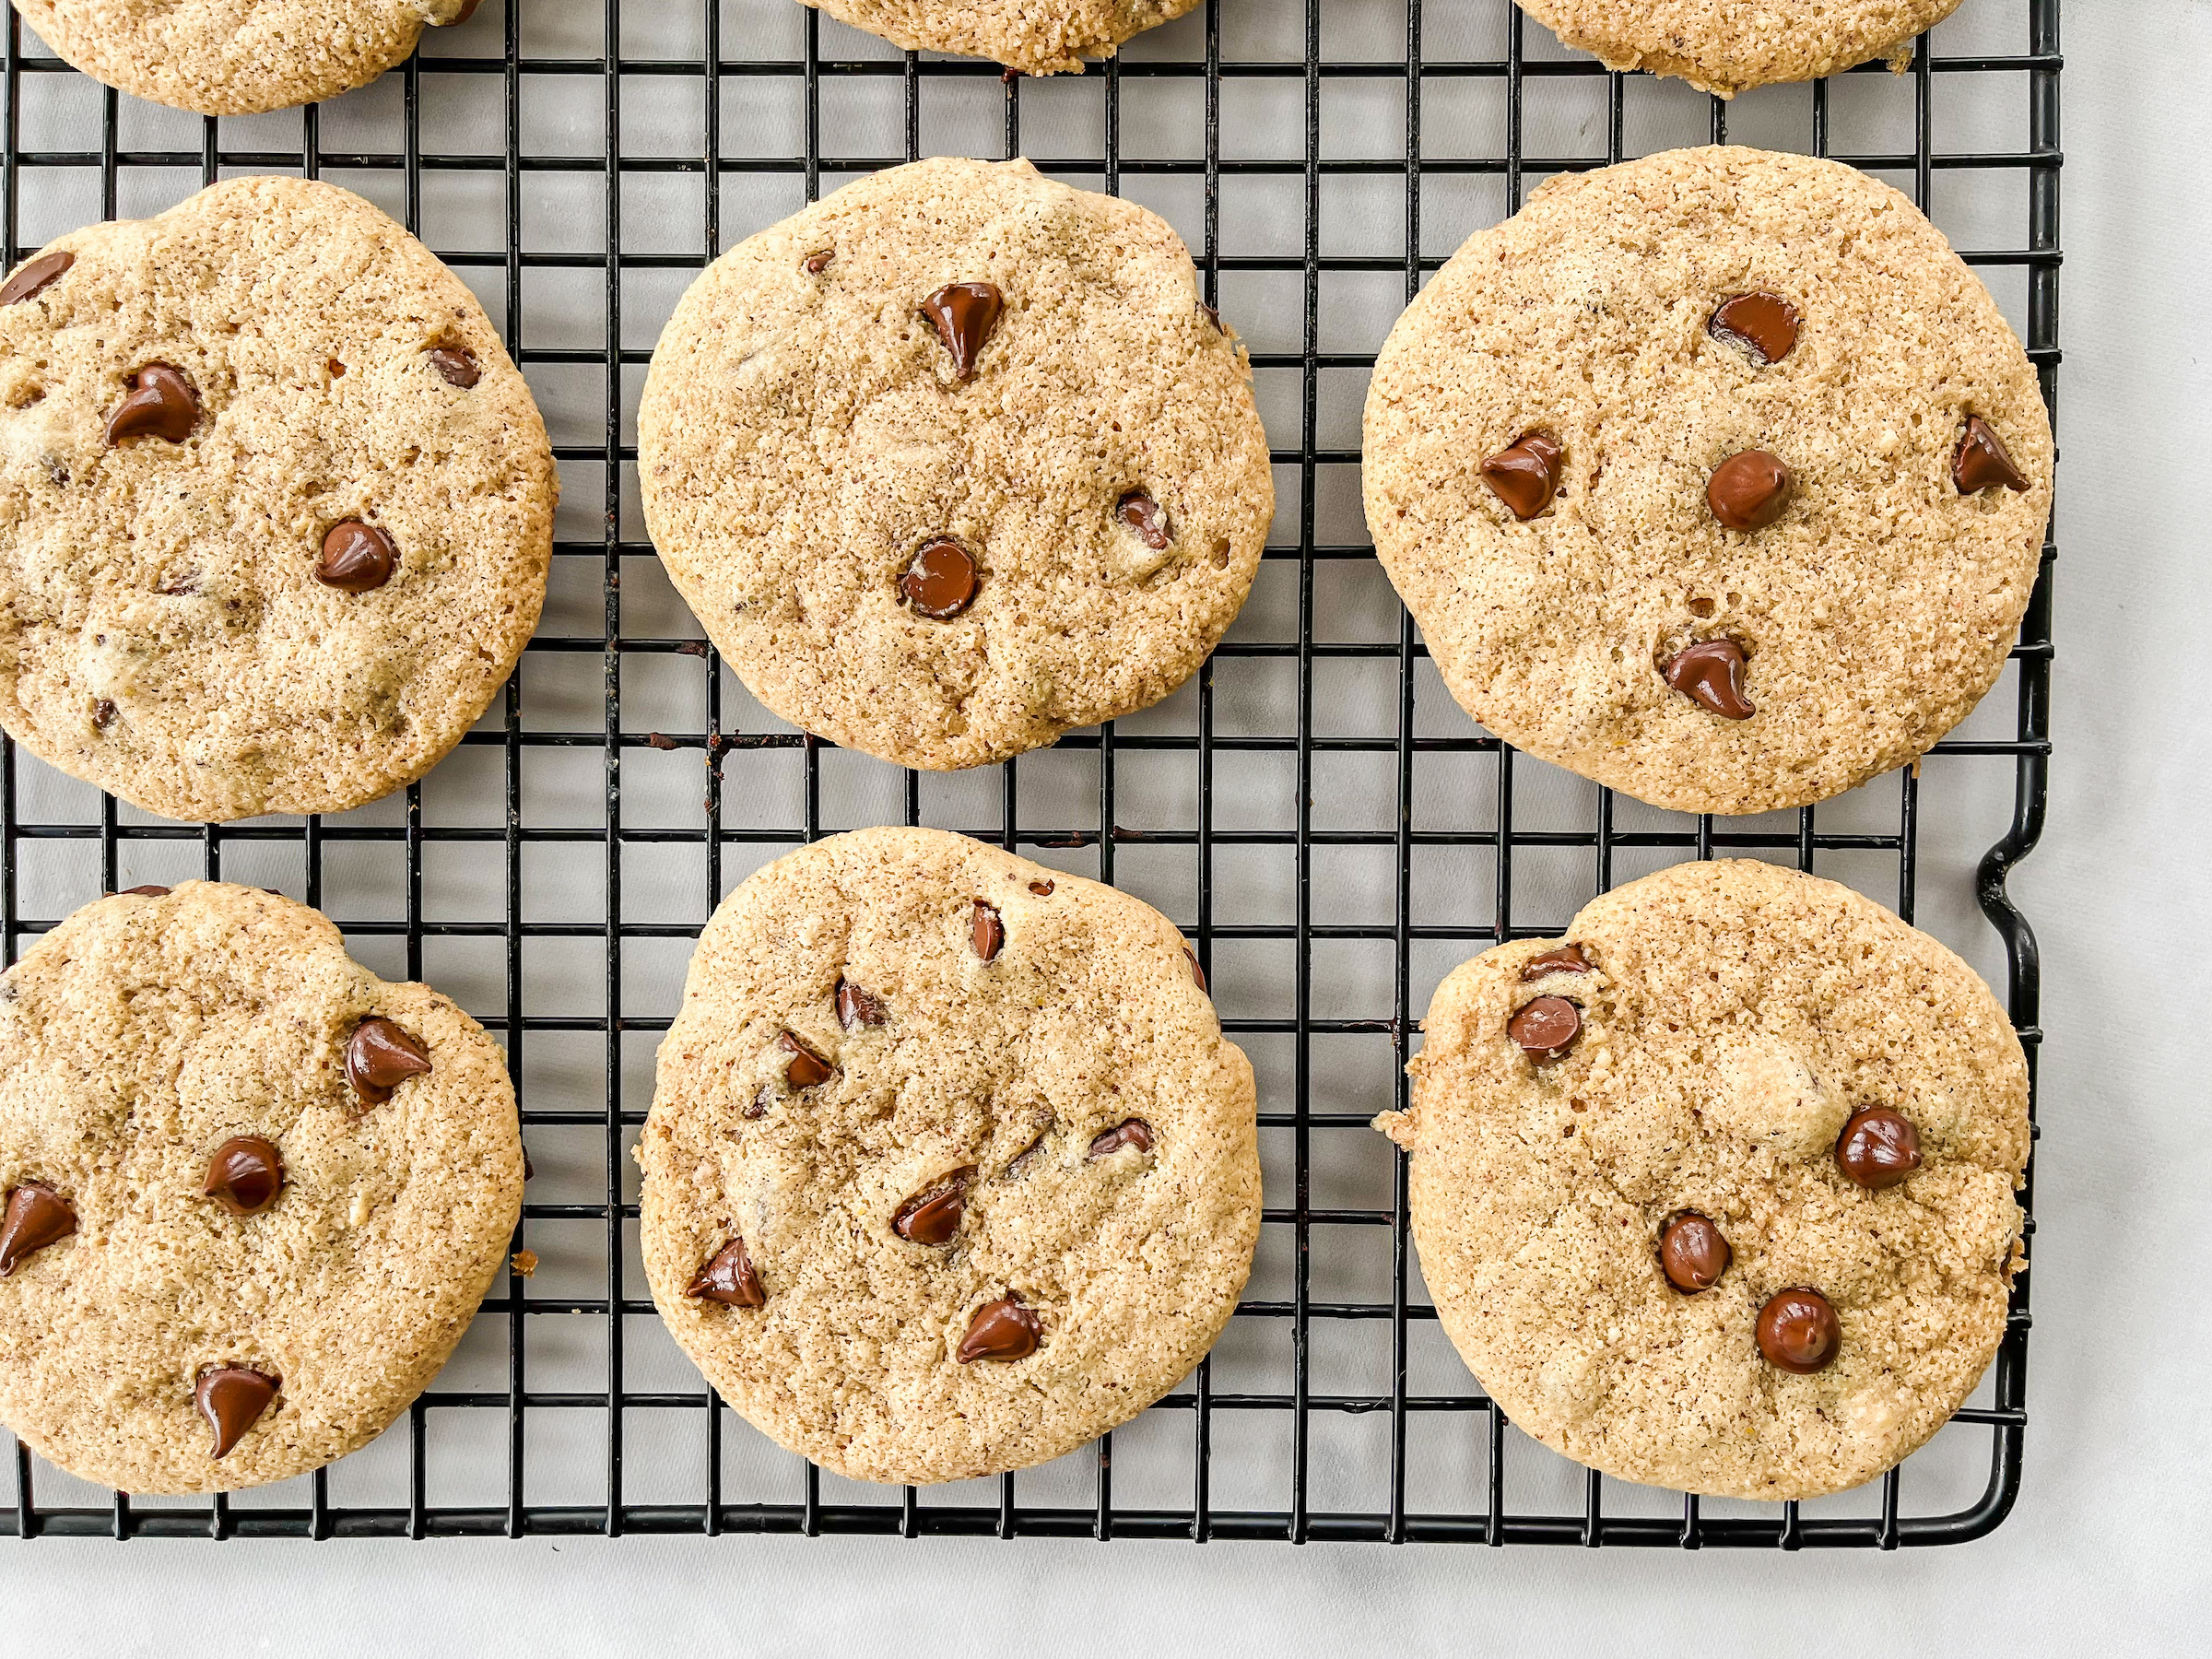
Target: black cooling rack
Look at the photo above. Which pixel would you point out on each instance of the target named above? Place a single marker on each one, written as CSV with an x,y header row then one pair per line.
x,y
1268,1439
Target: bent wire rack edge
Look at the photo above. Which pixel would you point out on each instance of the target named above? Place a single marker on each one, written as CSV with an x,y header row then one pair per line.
x,y
607,78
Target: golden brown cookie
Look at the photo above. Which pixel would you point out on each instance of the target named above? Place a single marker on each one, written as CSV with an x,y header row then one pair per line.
x,y
1039,37
1727,46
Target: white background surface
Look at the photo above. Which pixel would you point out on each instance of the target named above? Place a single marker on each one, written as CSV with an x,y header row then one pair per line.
x,y
2107,1550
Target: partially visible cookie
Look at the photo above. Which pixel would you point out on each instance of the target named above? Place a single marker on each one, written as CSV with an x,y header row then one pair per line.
x,y
949,1169
254,1194
1039,37
1716,1192
276,508
237,57
1716,478
1727,46
954,461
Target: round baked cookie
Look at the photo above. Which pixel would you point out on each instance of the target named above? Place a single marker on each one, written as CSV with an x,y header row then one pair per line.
x,y
1716,1192
1039,37
1729,46
1715,476
275,508
955,460
254,1192
237,57
949,1169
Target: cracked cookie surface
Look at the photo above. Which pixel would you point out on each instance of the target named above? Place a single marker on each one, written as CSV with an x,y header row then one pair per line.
x,y
1729,46
1038,37
949,1169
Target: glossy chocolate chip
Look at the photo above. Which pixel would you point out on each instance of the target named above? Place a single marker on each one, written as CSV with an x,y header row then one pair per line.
x,y
986,933
103,714
245,1174
813,264
964,313
1001,1330
1763,325
729,1278
1710,674
162,404
1981,460
933,1217
1567,958
757,1106
356,558
233,1400
149,892
1129,1131
37,1216
856,1007
380,1057
940,583
1749,490
1547,1028
1197,972
456,365
1148,518
1878,1147
806,1069
1044,889
35,278
1692,1253
1526,476
1798,1331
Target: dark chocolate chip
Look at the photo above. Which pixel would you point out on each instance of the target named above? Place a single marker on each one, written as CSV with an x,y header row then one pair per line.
x,y
806,1069
813,264
380,1057
1148,518
37,1216
163,404
1567,958
730,1278
35,278
1525,476
1710,674
245,1174
233,1400
931,1218
1692,1253
1044,889
103,714
940,583
757,1106
1749,490
964,313
1981,460
1001,1330
1763,325
1017,1166
1878,1147
856,1007
1212,315
149,892
356,558
986,933
1129,1131
1798,1331
1547,1028
1197,972
456,365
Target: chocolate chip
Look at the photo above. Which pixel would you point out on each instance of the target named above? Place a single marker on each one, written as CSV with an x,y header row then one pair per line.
x,y
1526,476
1568,959
1001,1330
1017,1166
1798,1331
965,313
35,278
729,1278
1044,889
1197,972
856,1007
468,10
245,1174
757,1106
1211,315
1981,460
1710,674
931,1218
813,264
149,892
233,1400
806,1069
1692,1253
1878,1147
1547,1028
356,558
380,1057
1763,325
163,404
456,365
1148,518
1749,490
37,1216
103,714
941,581
1129,1131
986,933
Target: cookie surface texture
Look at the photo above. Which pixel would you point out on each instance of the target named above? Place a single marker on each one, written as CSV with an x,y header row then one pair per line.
x,y
1734,1018
153,1038
955,460
1726,46
1039,37
275,508
1761,382
960,1138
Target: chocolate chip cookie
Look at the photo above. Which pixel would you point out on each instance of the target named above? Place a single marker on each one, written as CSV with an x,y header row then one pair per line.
x,y
1717,1192
949,1169
1039,37
275,508
1716,478
1725,46
955,460
237,57
254,1194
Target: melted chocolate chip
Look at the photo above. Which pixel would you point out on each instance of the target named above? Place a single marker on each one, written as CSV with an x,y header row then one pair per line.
x,y
1981,460
931,1218
163,405
729,1278
245,1174
856,1007
1763,325
1547,1028
1044,889
149,892
1878,1147
456,365
35,278
1017,1166
103,714
380,1057
757,1106
806,1069
1148,518
1001,1330
1798,1331
233,1400
964,313
1749,490
37,1216
1692,1253
1129,1131
356,558
1197,972
1526,476
941,582
1567,958
986,933
813,264
1710,674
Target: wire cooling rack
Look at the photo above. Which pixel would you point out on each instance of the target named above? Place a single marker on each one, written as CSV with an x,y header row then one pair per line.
x,y
1312,808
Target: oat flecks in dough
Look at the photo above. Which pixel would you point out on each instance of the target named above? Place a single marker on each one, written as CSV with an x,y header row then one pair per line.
x,y
1040,37
1729,46
1739,1012
995,1078
163,632
135,1040
804,434
1873,613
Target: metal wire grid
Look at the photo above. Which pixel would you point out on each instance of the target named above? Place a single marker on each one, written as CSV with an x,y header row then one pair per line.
x,y
1315,1131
